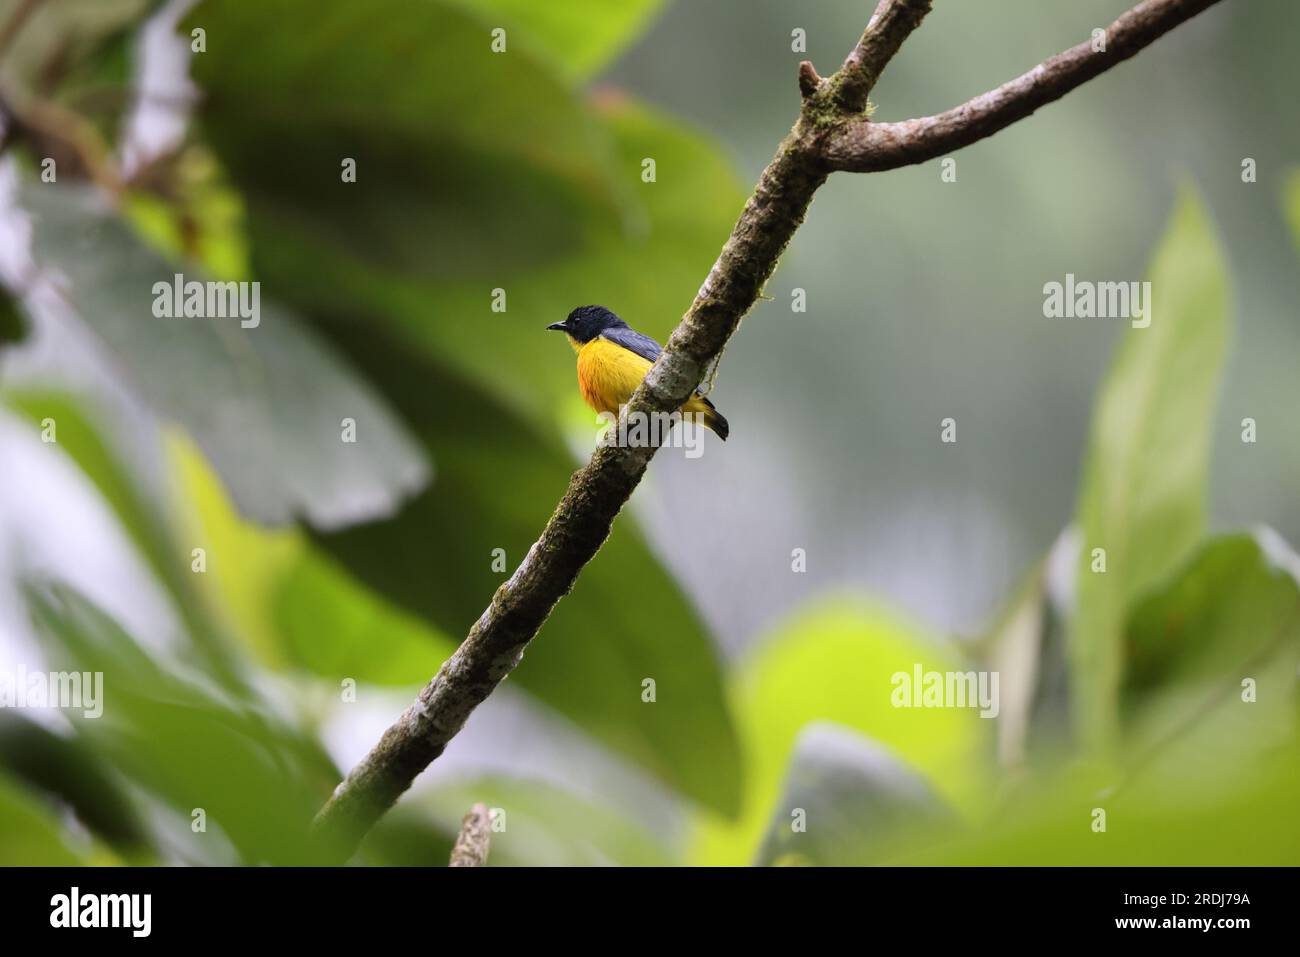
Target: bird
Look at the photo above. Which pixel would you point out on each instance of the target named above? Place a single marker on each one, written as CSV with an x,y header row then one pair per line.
x,y
613,358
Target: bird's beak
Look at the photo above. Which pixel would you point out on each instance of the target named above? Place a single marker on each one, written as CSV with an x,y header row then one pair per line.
x,y
558,326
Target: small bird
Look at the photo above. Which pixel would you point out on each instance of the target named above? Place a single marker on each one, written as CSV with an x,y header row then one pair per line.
x,y
613,358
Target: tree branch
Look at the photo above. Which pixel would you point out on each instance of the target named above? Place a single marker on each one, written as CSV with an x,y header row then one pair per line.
x,y
471,849
865,147
891,24
820,139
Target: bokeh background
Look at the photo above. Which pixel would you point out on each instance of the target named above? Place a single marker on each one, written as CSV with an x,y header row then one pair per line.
x,y
337,576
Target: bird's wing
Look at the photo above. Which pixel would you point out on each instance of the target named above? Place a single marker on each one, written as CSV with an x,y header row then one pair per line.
x,y
643,346
633,341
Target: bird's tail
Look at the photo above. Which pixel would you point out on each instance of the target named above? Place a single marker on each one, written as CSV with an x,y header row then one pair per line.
x,y
717,422
699,405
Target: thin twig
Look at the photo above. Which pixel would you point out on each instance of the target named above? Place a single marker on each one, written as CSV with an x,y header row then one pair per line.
x,y
891,24
51,131
10,28
866,147
471,848
829,124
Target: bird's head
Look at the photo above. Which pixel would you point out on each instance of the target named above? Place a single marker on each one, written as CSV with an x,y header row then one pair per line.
x,y
587,322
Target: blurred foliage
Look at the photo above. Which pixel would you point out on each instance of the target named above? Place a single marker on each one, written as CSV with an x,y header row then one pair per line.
x,y
835,663
330,561
537,824
625,622
1291,205
1229,621
498,181
192,745
123,488
1025,645
579,36
267,409
1209,773
13,324
200,216
67,769
1143,498
547,826
1159,823
609,235
849,801
64,45
495,486
29,831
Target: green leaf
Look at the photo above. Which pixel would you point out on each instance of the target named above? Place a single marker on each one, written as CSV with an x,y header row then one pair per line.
x,y
1015,647
1229,620
849,802
468,163
1026,646
65,768
330,624
1144,489
1163,823
266,403
79,437
405,837
30,835
1209,759
290,603
125,489
186,742
581,36
836,662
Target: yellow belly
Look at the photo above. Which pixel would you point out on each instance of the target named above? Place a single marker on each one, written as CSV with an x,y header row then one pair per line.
x,y
608,374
